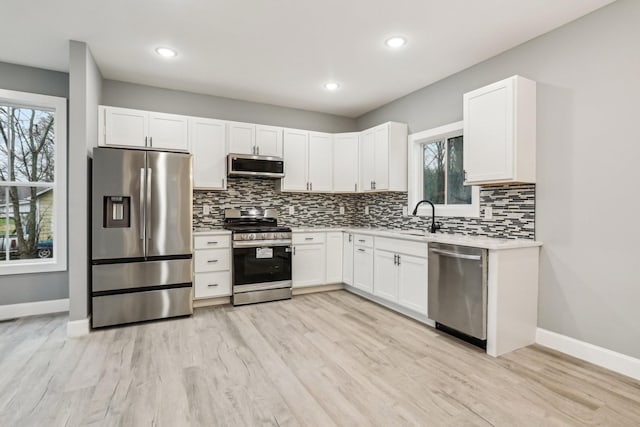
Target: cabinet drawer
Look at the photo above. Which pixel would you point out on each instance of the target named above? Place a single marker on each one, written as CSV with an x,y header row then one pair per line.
x,y
209,285
419,249
361,240
302,238
212,260
211,242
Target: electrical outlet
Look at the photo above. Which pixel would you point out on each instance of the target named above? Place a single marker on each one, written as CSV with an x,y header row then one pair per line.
x,y
488,212
341,210
405,211
366,210
206,210
292,210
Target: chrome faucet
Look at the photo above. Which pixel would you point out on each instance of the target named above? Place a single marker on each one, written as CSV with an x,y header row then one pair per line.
x,y
434,226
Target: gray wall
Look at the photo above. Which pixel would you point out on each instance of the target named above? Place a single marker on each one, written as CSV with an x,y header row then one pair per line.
x,y
587,155
85,88
130,95
23,288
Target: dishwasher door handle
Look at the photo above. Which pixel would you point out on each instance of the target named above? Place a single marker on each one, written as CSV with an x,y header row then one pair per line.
x,y
455,255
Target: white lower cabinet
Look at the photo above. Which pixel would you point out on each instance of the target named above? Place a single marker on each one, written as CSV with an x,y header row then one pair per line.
x,y
412,283
334,257
347,258
308,264
212,265
386,275
363,268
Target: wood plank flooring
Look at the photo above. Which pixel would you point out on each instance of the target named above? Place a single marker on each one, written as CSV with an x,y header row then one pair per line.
x,y
318,360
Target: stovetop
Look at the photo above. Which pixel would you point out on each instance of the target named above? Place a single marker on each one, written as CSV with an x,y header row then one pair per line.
x,y
256,228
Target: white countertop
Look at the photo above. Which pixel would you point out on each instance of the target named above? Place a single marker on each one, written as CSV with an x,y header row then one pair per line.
x,y
422,236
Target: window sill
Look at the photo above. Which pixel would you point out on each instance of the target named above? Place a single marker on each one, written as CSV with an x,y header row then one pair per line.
x,y
32,266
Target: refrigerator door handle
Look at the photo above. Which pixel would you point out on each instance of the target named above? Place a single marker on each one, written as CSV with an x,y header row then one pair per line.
x,y
148,218
141,205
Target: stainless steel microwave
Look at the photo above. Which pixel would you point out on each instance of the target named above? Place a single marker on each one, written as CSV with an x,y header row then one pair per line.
x,y
256,166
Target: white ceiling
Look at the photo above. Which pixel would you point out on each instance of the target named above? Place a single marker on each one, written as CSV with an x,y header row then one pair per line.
x,y
280,51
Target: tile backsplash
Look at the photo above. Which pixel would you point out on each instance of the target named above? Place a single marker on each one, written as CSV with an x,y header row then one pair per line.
x,y
513,209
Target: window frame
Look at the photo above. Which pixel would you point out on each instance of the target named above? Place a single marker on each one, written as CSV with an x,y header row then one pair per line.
x,y
416,176
58,262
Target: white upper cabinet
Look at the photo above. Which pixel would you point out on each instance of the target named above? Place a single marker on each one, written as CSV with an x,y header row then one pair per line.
x,y
383,158
242,138
209,148
296,143
320,162
124,127
168,131
268,141
249,138
500,133
308,158
345,161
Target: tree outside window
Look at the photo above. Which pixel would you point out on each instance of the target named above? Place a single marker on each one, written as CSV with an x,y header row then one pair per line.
x,y
27,162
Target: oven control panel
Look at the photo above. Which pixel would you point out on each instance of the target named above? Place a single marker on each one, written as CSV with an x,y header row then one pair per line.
x,y
262,236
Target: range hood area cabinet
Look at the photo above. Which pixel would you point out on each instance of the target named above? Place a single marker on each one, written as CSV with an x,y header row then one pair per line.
x,y
125,127
308,160
383,158
500,133
249,138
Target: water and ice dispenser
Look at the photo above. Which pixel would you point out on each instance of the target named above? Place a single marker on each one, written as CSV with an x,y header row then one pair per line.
x,y
117,212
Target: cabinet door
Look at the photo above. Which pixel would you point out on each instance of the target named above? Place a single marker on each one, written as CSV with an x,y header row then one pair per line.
x,y
320,162
209,148
381,173
412,282
124,127
308,265
295,160
345,162
363,269
268,141
367,161
488,132
347,258
168,132
385,282
334,257
242,138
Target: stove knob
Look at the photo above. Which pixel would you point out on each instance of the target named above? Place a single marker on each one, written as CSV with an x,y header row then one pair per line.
x,y
252,236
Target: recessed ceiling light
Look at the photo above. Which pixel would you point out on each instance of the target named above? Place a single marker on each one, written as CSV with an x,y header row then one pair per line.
x,y
331,86
166,52
396,42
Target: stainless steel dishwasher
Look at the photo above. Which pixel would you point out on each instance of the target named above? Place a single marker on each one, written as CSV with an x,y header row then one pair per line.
x,y
458,291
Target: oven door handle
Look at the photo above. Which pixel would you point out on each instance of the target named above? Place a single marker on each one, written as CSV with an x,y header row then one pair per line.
x,y
261,243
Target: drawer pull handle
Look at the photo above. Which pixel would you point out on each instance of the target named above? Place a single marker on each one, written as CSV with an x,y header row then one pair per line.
x,y
361,241
212,243
212,260
213,285
361,250
308,238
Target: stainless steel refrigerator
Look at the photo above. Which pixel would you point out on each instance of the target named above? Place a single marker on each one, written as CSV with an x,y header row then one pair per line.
x,y
141,236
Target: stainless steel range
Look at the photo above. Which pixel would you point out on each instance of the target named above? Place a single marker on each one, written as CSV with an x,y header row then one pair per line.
x,y
261,255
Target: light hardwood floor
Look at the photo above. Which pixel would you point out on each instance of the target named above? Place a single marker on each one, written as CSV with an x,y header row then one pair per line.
x,y
319,360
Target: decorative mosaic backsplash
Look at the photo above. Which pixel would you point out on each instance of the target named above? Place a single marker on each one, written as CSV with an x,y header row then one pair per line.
x,y
513,213
513,209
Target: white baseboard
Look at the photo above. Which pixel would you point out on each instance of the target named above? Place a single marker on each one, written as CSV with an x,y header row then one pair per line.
x,y
11,311
78,328
617,362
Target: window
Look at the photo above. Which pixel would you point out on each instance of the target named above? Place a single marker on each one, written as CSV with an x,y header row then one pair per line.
x,y
436,173
33,172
